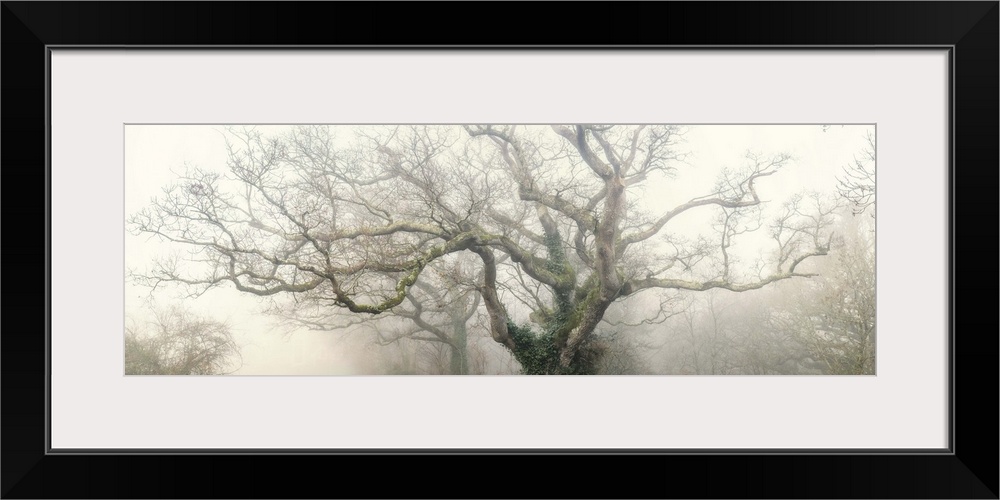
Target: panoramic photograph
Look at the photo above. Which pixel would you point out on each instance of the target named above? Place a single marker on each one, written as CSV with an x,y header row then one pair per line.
x,y
500,249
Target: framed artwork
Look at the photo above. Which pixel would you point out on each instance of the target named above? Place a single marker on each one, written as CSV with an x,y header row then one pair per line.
x,y
704,229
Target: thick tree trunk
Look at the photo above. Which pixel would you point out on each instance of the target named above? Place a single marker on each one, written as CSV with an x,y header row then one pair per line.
x,y
609,282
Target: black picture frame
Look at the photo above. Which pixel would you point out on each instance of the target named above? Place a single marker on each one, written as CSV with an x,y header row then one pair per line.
x,y
967,470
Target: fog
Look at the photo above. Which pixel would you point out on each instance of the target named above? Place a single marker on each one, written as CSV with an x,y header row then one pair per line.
x,y
299,218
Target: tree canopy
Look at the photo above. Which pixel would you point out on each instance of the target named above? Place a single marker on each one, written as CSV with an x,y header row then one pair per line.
x,y
544,227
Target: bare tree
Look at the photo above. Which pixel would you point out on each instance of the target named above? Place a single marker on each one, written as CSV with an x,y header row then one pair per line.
x,y
180,343
356,222
857,183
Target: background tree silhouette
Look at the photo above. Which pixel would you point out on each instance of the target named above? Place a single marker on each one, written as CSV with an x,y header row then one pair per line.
x,y
180,343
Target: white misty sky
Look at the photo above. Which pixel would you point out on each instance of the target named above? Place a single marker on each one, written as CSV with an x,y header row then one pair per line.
x,y
155,153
